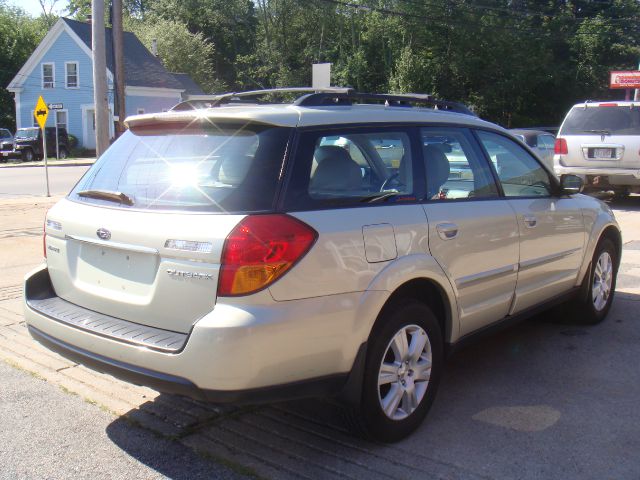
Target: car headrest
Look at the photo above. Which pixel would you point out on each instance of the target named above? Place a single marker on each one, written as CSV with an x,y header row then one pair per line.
x,y
336,171
437,167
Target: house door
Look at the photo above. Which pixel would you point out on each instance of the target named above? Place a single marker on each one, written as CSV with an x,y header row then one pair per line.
x,y
89,128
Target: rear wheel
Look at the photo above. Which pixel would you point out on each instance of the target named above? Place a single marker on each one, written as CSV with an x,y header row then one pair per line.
x,y
403,369
62,153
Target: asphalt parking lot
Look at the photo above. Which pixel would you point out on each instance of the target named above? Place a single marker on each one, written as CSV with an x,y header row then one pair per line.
x,y
543,399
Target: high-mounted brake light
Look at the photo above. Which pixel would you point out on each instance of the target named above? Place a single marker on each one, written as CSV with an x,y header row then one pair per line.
x,y
560,147
608,105
259,250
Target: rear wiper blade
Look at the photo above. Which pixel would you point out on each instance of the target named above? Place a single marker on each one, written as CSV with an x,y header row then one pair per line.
x,y
107,195
378,198
601,132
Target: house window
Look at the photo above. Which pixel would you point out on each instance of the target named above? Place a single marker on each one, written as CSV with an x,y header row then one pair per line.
x,y
48,75
61,118
140,111
72,74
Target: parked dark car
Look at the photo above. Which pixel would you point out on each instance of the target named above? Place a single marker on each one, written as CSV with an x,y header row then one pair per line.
x,y
6,145
28,143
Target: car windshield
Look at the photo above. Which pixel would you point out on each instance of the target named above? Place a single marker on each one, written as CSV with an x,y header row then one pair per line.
x,y
606,120
232,168
27,133
5,134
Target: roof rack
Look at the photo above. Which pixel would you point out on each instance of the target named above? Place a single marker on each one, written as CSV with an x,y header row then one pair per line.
x,y
317,97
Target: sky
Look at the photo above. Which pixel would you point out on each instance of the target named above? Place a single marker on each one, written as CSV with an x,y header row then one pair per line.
x,y
33,8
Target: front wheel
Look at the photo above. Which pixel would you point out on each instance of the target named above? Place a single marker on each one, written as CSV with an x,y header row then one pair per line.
x,y
593,307
27,155
403,369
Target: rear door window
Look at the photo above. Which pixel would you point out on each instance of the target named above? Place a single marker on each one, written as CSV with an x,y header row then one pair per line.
x,y
606,120
220,168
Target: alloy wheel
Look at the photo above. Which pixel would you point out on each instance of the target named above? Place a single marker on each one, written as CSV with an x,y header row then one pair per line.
x,y
404,372
602,281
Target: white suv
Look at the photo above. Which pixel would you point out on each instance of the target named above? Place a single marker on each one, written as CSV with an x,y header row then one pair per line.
x,y
250,252
600,142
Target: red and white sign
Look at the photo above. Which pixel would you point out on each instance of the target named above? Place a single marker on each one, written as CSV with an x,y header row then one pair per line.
x,y
626,79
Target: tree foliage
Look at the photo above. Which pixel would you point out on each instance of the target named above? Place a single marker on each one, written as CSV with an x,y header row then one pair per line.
x,y
19,36
179,49
517,62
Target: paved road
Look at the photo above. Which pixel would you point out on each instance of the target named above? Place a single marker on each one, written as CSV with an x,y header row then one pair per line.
x,y
541,400
20,182
47,433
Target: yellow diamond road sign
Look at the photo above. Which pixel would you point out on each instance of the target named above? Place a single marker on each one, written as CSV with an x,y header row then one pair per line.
x,y
41,112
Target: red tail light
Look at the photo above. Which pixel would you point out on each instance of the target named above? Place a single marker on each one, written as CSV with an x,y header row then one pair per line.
x,y
608,105
259,250
560,147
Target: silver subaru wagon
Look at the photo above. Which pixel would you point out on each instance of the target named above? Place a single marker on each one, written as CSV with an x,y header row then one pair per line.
x,y
241,250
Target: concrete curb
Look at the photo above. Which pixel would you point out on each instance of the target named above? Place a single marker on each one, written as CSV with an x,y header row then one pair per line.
x,y
54,163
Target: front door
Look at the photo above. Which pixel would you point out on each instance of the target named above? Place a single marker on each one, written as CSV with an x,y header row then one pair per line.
x,y
89,133
551,226
473,233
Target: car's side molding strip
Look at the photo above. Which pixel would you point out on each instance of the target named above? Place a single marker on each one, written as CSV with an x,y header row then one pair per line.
x,y
483,276
547,259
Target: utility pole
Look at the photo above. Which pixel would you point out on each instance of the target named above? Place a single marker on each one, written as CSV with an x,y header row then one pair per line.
x,y
636,95
100,99
118,41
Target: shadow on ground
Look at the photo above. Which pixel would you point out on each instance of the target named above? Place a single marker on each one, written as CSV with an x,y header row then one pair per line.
x,y
541,399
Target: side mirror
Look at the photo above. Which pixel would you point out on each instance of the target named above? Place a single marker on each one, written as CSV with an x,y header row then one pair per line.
x,y
571,184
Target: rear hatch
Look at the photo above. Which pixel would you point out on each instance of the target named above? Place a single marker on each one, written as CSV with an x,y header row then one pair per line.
x,y
140,237
602,135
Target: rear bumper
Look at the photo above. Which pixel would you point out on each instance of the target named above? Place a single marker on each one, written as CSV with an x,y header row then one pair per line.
x,y
6,154
611,176
238,354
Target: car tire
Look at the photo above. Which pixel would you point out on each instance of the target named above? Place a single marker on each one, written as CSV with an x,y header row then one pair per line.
x,y
62,153
598,287
27,155
411,374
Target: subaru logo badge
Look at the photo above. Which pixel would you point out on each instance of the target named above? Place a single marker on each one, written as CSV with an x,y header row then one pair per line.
x,y
103,233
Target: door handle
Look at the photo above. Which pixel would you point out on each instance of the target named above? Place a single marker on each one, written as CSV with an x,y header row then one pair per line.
x,y
530,220
447,230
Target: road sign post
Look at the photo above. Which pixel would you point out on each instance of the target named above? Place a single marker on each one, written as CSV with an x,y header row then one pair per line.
x,y
41,113
56,106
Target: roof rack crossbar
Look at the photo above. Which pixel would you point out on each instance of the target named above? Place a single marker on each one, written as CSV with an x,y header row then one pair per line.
x,y
317,97
392,100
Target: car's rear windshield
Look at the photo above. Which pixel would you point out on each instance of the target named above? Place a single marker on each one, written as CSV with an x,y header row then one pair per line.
x,y
607,120
27,132
212,168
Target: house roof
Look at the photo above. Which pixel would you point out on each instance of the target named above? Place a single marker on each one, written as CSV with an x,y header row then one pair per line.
x,y
188,83
141,68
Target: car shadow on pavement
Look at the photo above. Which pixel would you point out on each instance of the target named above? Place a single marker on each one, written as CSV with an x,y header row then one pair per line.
x,y
541,399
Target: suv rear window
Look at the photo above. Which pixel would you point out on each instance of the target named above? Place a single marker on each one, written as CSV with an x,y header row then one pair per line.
x,y
610,120
217,168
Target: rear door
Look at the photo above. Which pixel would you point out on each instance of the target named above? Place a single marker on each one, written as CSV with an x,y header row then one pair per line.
x,y
473,233
551,228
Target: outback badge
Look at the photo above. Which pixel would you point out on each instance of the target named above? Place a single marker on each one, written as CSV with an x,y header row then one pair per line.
x,y
103,233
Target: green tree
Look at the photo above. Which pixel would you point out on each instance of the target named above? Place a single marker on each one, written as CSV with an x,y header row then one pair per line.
x,y
179,49
19,36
